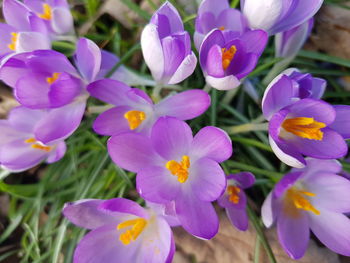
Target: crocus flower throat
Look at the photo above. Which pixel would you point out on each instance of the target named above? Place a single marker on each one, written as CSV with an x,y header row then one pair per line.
x,y
135,228
304,127
52,79
38,145
233,192
227,56
135,118
179,169
47,12
14,40
297,198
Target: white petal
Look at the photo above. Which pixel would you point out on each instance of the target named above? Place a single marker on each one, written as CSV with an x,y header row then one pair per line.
x,y
225,83
186,68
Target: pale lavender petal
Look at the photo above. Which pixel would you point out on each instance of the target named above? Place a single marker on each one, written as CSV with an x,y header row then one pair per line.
x,y
24,119
213,6
244,179
255,41
123,206
285,183
341,123
185,105
132,151
30,41
16,14
212,143
5,38
58,153
9,134
62,20
238,218
215,37
170,12
315,166
174,53
213,65
207,179
225,83
269,211
171,138
186,68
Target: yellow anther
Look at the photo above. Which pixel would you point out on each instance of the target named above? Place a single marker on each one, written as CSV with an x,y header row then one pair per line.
x,y
227,56
47,14
300,201
135,118
136,227
179,169
37,145
14,40
54,77
222,28
304,127
233,192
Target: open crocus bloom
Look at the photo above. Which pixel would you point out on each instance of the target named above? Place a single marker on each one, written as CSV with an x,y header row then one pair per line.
x,y
121,230
313,198
234,199
135,111
172,165
227,56
288,43
20,148
166,47
214,14
300,125
276,16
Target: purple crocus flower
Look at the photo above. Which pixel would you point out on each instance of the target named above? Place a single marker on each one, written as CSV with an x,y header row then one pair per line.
x,y
45,79
135,111
214,14
276,16
20,148
234,199
302,125
227,56
172,165
315,198
166,47
288,43
121,230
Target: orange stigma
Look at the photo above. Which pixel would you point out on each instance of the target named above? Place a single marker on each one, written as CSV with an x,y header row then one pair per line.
x,y
179,169
304,127
222,28
135,118
14,40
54,77
38,145
47,12
135,228
227,56
233,192
300,200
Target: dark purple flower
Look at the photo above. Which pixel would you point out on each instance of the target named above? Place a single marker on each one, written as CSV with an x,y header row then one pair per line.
x,y
288,43
234,199
276,16
20,145
217,14
172,165
227,56
166,47
135,111
121,230
315,198
302,125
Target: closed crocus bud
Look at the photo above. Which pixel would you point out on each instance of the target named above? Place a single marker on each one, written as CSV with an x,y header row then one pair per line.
x,y
276,16
288,43
166,47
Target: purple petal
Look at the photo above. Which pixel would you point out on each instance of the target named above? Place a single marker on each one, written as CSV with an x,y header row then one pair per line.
x,y
170,12
197,217
24,119
255,41
244,179
213,65
123,206
341,123
132,151
294,234
231,19
185,105
333,230
215,7
5,38
9,134
238,218
212,143
285,183
171,138
60,123
58,153
62,20
315,166
186,68
207,179
215,37
157,184
16,14
88,59
86,213
174,54
109,91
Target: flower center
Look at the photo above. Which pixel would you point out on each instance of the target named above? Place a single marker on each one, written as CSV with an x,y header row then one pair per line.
x,y
227,56
304,127
52,79
38,145
222,28
14,39
233,192
300,201
179,169
135,118
47,14
135,228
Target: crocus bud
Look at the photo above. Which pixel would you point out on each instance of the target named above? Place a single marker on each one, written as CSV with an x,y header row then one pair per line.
x,y
276,16
166,47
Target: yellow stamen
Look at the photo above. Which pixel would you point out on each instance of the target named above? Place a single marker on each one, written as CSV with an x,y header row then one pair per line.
x,y
52,79
179,169
300,200
227,56
222,28
37,145
14,39
304,127
233,191
136,226
47,14
135,118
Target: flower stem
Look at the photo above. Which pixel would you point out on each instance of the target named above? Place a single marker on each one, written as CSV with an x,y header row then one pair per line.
x,y
248,127
230,95
277,69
